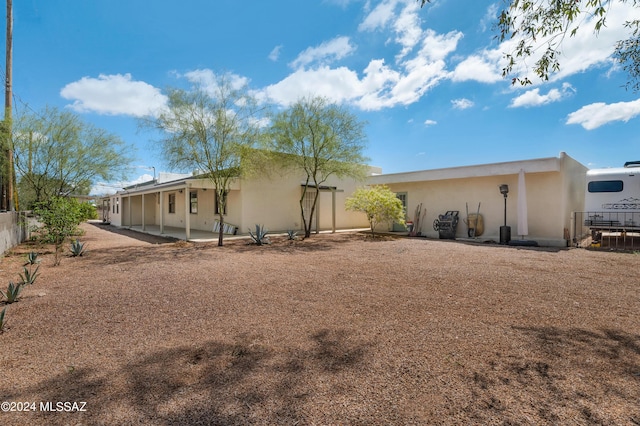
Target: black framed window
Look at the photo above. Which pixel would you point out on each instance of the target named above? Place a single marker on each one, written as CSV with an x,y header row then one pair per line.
x,y
193,202
172,203
605,186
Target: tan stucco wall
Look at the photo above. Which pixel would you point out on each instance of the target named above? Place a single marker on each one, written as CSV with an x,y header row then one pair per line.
x,y
543,201
275,202
574,185
555,188
272,201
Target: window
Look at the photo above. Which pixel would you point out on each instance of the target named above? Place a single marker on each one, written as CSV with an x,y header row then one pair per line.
x,y
402,196
118,205
225,203
193,202
172,203
113,206
605,186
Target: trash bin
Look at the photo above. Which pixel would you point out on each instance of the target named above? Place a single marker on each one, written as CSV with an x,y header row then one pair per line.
x,y
446,225
505,234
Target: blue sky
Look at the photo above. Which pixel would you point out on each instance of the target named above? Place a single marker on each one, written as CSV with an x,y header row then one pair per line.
x,y
427,80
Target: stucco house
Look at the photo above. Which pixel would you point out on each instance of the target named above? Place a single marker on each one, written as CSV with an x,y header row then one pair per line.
x,y
555,188
184,205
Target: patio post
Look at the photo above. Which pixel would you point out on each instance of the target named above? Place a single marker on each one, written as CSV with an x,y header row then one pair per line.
x,y
162,212
187,219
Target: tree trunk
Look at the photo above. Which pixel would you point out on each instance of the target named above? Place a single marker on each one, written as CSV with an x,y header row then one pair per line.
x,y
308,225
220,204
221,231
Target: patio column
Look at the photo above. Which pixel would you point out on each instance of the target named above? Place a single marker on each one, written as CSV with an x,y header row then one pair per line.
x,y
129,207
143,210
187,219
162,212
333,210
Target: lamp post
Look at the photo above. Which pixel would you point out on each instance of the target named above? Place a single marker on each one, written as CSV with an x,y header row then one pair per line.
x,y
505,231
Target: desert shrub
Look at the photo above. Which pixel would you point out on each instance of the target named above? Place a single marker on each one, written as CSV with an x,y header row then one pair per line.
x,y
60,217
379,203
88,211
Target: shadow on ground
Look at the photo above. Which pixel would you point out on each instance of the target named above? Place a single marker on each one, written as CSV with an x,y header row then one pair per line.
x,y
561,376
212,382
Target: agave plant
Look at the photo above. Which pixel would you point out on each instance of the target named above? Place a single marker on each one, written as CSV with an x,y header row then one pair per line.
x,y
77,248
3,323
13,291
292,235
32,258
29,276
260,237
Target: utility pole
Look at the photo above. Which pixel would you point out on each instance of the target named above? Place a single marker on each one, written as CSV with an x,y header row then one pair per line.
x,y
8,95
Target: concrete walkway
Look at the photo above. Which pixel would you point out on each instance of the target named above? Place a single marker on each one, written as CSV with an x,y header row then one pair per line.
x,y
200,236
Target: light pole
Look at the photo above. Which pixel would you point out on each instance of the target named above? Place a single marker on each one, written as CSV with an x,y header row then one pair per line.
x,y
505,231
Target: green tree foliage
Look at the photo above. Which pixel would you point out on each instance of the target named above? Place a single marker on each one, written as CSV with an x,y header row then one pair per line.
x,y
58,154
544,24
379,203
322,140
213,130
60,217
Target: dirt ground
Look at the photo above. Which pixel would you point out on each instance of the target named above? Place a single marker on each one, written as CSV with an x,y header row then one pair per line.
x,y
335,329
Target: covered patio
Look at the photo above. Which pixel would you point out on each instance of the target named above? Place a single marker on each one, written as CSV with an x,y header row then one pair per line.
x,y
196,235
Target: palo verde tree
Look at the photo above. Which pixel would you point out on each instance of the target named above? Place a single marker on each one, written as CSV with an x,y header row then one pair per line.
x,y
320,139
545,24
379,203
58,154
212,129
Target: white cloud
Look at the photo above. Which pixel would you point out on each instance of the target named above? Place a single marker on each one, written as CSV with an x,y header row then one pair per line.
x,y
329,51
430,123
274,55
380,16
114,94
482,67
339,84
489,17
598,114
534,98
379,85
407,28
462,103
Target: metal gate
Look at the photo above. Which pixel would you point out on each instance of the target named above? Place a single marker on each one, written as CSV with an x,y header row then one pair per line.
x,y
307,204
607,230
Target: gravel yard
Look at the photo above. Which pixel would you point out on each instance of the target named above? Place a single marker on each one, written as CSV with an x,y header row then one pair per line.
x,y
335,329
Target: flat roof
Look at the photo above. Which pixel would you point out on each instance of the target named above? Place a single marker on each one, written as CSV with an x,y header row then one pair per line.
x,y
551,164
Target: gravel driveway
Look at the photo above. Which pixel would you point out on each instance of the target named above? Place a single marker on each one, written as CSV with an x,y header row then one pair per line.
x,y
335,329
